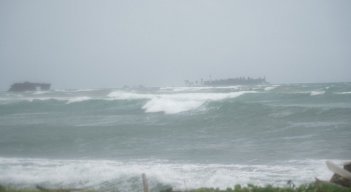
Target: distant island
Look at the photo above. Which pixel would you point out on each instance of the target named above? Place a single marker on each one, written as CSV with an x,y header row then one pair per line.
x,y
29,86
228,82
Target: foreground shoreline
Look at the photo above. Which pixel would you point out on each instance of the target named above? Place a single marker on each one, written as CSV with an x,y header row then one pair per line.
x,y
318,186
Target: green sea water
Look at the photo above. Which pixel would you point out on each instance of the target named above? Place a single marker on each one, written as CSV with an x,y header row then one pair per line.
x,y
185,137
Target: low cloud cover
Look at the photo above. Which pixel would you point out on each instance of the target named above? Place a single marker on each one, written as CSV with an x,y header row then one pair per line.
x,y
96,44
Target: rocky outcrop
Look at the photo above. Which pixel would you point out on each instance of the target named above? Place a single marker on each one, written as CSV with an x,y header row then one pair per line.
x,y
337,179
28,86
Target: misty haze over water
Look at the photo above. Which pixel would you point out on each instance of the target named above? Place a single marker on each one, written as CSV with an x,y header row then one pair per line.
x,y
108,44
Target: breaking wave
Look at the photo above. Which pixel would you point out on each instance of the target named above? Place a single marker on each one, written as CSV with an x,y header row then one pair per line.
x,y
109,137
173,100
271,88
343,93
314,93
78,99
122,95
125,176
175,103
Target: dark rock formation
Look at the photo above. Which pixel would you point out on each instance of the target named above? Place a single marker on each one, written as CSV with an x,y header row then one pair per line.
x,y
28,86
337,179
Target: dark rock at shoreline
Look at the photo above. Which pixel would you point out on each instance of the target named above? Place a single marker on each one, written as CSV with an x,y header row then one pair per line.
x,y
337,179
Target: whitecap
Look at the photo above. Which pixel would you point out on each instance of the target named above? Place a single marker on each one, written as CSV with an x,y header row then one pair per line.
x,y
122,95
343,93
170,106
270,88
181,176
174,103
314,93
77,99
40,92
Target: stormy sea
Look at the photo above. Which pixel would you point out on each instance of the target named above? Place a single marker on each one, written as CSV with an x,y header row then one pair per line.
x,y
184,137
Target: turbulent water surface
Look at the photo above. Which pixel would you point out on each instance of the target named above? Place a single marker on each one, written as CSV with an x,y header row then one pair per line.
x,y
185,137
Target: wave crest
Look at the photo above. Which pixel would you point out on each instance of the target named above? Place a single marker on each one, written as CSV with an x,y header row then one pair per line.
x,y
314,93
174,103
103,173
78,99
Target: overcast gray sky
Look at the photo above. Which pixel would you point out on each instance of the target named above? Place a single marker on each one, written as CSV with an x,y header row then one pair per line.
x,y
102,43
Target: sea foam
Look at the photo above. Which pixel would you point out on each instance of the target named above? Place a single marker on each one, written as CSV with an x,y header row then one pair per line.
x,y
314,93
175,103
77,99
271,87
123,95
125,176
343,93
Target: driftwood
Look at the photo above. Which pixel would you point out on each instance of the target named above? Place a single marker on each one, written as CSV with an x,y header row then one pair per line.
x,y
145,183
43,189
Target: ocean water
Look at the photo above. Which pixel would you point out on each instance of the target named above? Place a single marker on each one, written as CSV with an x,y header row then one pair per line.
x,y
184,137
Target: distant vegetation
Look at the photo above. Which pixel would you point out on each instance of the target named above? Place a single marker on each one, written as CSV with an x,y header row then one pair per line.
x,y
228,82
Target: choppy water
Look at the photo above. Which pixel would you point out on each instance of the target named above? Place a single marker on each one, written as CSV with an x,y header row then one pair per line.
x,y
185,137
